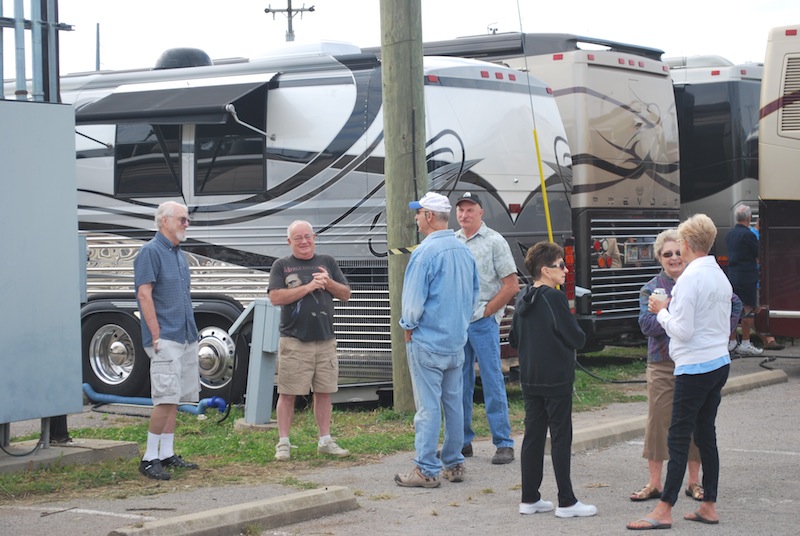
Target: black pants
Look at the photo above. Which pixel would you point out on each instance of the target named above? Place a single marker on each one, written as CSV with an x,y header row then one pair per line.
x,y
694,411
541,413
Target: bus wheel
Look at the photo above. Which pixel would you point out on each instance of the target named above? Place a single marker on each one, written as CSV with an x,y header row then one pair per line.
x,y
220,374
114,361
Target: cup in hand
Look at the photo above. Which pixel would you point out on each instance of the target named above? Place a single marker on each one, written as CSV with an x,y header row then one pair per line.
x,y
659,294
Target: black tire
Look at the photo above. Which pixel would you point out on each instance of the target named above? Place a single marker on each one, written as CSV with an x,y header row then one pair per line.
x,y
114,361
217,378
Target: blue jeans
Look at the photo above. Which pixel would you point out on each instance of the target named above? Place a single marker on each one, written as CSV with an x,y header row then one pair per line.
x,y
694,410
436,380
483,344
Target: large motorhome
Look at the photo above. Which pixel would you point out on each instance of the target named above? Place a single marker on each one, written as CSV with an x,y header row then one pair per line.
x,y
717,104
251,145
618,108
779,187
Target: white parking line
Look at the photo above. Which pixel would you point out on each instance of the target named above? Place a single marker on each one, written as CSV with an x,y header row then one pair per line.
x,y
52,509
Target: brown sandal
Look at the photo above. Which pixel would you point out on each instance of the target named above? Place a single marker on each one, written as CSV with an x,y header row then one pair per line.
x,y
646,493
695,491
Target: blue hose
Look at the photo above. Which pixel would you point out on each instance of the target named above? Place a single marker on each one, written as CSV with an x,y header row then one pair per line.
x,y
199,409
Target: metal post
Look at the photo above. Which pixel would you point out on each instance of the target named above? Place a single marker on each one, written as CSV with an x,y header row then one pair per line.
x,y
263,358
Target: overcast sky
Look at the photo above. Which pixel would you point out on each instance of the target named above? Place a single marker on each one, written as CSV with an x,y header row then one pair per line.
x,y
134,34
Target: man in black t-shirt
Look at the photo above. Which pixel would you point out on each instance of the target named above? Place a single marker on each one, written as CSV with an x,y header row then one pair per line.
x,y
304,285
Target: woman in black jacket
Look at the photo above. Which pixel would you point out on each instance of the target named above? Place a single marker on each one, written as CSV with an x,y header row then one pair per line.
x,y
546,335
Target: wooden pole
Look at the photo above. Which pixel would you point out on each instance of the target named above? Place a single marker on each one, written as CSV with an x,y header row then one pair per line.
x,y
405,165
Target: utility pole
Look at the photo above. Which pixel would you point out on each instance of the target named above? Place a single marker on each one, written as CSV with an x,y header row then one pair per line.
x,y
290,14
405,165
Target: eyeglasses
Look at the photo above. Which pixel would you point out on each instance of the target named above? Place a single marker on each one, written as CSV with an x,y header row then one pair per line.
x,y
561,265
183,220
668,254
300,238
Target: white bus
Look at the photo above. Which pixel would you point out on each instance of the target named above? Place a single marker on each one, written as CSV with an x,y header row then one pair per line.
x,y
779,185
618,108
251,145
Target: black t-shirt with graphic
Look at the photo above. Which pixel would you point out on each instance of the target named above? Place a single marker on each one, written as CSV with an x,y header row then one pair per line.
x,y
311,317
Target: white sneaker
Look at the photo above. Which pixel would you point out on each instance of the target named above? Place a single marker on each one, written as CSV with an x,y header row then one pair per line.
x,y
330,447
535,508
576,510
732,345
283,451
747,348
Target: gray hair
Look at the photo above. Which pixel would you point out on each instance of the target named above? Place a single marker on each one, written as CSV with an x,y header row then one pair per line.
x,y
742,212
167,208
669,235
442,217
298,222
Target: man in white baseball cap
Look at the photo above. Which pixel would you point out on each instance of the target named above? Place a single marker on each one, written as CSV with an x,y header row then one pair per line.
x,y
440,291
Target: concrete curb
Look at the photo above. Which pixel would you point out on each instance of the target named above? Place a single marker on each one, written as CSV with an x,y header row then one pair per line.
x,y
604,435
83,451
266,514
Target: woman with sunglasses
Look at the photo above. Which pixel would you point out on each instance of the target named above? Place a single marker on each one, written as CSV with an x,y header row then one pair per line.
x,y
698,324
546,334
660,375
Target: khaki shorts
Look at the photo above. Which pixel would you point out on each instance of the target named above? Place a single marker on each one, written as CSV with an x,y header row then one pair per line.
x,y
174,372
660,390
303,366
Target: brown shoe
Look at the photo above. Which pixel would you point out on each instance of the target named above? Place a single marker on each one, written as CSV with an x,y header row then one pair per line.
x,y
454,473
415,479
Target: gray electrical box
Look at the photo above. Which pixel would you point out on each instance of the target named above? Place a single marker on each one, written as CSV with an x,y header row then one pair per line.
x,y
40,264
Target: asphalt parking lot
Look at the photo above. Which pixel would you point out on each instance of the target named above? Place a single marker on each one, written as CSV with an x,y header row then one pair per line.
x,y
759,487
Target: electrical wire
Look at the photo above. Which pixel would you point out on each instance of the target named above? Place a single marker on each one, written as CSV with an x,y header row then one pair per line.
x,y
22,454
606,380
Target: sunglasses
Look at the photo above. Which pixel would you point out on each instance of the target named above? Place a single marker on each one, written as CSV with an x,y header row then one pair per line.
x,y
560,265
668,254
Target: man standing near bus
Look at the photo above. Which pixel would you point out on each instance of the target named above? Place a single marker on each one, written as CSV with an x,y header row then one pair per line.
x,y
304,285
440,289
169,336
498,281
743,274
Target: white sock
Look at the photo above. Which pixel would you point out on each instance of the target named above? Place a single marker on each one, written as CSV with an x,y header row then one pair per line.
x,y
284,440
324,439
167,446
152,447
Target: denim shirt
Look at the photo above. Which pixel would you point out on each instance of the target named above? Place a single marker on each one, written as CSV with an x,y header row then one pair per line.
x,y
440,291
161,263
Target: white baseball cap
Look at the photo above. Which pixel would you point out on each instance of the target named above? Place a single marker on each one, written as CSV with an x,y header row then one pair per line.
x,y
432,201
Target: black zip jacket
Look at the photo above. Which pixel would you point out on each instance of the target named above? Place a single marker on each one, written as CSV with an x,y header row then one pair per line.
x,y
546,335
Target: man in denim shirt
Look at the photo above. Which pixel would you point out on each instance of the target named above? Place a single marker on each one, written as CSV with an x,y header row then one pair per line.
x,y
440,291
169,335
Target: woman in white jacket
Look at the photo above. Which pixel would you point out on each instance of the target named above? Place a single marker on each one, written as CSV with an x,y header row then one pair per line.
x,y
697,320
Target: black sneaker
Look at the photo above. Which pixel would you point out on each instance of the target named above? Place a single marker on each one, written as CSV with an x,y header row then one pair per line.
x,y
153,469
467,451
177,461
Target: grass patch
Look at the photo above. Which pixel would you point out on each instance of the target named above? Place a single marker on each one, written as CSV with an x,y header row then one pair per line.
x,y
229,457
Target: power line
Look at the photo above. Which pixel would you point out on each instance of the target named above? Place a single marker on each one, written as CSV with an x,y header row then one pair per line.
x,y
290,14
